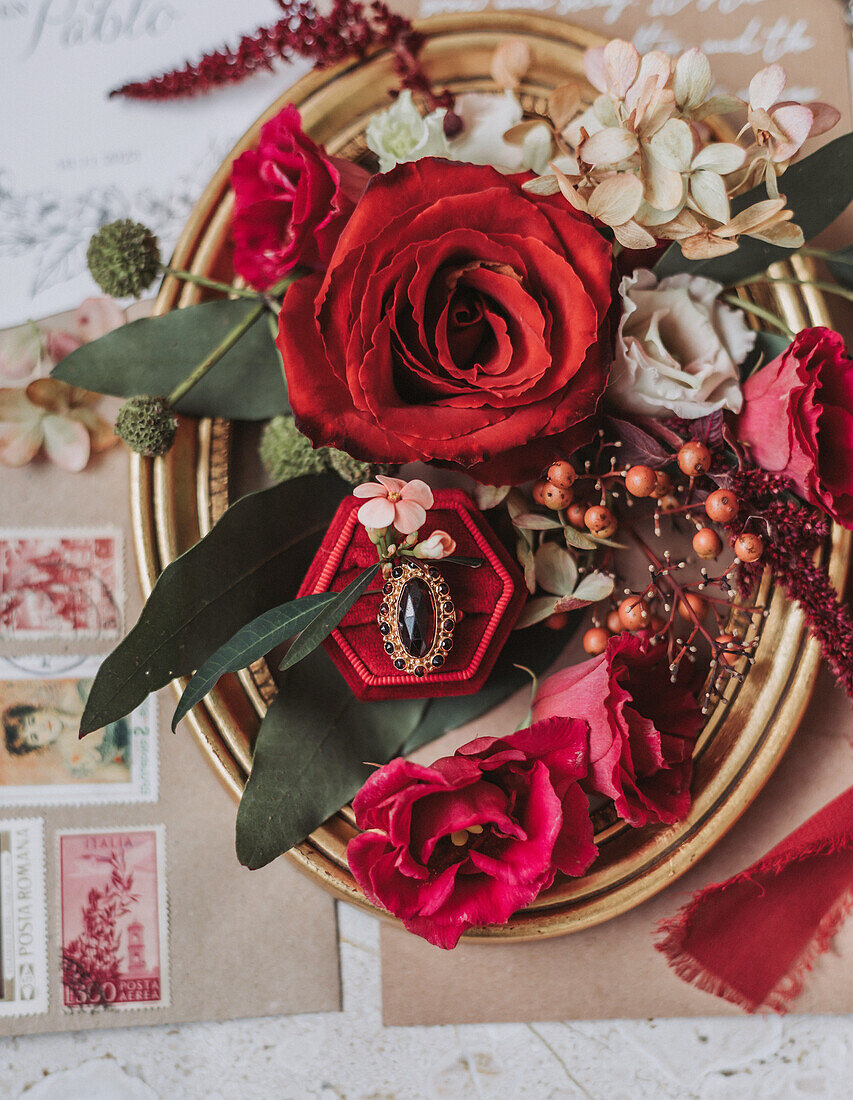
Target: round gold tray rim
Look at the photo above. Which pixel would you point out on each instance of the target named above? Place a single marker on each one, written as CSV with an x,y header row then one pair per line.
x,y
170,513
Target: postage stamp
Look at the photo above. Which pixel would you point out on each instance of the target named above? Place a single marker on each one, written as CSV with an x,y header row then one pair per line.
x,y
23,918
114,918
61,583
43,761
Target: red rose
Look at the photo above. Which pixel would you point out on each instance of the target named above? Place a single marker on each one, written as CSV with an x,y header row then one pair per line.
x,y
797,420
291,202
475,836
461,320
641,727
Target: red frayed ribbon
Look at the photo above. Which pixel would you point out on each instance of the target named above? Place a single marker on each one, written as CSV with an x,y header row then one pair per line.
x,y
752,939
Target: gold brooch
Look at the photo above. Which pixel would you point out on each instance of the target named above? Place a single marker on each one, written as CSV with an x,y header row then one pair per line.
x,y
416,617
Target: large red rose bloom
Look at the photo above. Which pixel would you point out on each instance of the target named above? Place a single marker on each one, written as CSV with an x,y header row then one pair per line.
x,y
461,320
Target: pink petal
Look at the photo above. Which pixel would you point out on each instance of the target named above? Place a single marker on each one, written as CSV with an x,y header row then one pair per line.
x,y
369,489
96,317
766,86
392,484
66,443
419,492
377,513
19,442
593,64
60,343
825,117
796,122
16,407
408,516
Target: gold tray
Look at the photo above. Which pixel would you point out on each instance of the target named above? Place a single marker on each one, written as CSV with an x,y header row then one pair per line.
x,y
176,499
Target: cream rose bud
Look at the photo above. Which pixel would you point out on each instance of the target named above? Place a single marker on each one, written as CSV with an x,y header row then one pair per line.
x,y
677,348
438,545
403,134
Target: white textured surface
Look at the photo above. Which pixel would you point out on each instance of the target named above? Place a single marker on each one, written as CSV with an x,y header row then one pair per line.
x,y
350,1056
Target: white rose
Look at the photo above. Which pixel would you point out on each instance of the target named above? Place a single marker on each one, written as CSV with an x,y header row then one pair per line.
x,y
402,133
677,348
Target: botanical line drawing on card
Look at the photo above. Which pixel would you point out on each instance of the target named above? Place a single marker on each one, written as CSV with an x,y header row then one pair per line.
x,y
42,759
61,583
23,922
114,918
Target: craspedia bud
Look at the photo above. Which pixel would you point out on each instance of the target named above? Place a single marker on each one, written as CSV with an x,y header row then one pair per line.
x,y
286,453
350,469
147,425
124,258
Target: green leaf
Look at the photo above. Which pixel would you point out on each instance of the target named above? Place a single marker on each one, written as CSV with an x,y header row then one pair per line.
x,y
154,354
767,346
314,751
251,643
253,559
818,188
841,266
580,540
328,617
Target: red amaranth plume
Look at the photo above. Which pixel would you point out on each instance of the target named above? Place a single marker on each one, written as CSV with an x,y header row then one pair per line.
x,y
793,530
349,30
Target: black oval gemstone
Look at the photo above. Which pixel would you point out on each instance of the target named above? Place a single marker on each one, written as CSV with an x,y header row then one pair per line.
x,y
447,643
438,660
397,572
448,624
384,628
420,671
443,589
389,647
434,571
399,663
388,588
383,608
416,618
448,608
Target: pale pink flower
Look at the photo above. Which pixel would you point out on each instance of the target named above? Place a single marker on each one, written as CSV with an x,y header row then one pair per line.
x,y
393,502
96,317
783,126
23,356
59,343
438,545
53,415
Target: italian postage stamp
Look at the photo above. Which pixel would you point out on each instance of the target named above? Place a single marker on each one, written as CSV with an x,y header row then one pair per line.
x,y
61,583
114,918
43,762
23,923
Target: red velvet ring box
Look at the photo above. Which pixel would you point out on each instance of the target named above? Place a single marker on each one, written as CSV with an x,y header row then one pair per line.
x,y
490,599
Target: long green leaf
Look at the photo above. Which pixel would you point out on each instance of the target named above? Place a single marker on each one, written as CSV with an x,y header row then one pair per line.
x,y
252,560
818,188
251,643
315,749
154,354
327,618
841,266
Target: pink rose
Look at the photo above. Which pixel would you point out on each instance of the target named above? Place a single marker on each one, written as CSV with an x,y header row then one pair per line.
x,y
291,202
641,727
797,420
475,836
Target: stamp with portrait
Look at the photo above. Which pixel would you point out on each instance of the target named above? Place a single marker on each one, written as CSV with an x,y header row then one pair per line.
x,y
114,918
61,583
23,918
44,762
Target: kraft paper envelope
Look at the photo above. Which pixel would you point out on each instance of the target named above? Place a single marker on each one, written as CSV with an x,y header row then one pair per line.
x,y
241,943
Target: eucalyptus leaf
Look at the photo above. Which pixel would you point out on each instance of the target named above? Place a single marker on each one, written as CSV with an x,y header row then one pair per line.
x,y
535,611
152,355
580,540
251,643
328,617
768,345
817,188
315,748
532,521
841,266
252,560
556,570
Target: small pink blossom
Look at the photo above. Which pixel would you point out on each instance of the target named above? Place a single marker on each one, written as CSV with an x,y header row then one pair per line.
x,y
52,415
783,125
438,545
392,502
95,317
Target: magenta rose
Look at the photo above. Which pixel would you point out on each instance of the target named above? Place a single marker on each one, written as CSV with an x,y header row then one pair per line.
x,y
291,202
475,836
797,420
641,727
